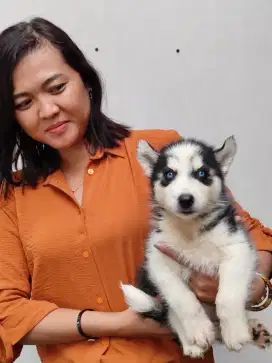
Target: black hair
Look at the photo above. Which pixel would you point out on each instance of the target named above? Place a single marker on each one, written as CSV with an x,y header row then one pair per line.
x,y
39,160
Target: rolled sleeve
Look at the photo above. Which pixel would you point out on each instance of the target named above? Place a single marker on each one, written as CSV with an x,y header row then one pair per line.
x,y
18,313
260,234
8,353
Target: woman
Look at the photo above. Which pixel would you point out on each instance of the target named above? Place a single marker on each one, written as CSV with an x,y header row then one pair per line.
x,y
73,221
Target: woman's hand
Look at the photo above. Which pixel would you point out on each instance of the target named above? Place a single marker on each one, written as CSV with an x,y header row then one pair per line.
x,y
130,324
205,287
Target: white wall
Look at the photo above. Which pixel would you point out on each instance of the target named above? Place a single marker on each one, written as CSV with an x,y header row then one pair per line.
x,y
219,84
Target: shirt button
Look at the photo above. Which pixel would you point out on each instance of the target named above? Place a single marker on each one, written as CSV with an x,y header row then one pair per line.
x,y
99,300
85,254
90,171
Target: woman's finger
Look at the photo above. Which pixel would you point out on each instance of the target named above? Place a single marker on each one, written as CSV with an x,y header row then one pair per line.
x,y
170,252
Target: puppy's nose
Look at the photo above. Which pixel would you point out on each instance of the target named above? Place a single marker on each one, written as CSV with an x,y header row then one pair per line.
x,y
186,201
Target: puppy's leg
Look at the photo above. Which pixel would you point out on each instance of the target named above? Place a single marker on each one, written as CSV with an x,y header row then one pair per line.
x,y
191,350
235,277
166,274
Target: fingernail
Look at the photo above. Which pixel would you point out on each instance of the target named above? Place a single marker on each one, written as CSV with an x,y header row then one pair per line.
x,y
158,244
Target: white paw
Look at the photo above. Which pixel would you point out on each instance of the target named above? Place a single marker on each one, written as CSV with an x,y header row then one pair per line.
x,y
193,351
199,330
235,333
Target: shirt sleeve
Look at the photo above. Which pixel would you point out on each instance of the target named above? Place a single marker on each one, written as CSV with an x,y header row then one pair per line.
x,y
260,234
18,313
159,140
8,354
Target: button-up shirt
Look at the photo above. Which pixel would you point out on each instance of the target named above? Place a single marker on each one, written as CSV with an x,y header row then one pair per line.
x,y
55,253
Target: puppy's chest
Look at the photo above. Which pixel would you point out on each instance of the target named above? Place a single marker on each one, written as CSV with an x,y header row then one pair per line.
x,y
201,250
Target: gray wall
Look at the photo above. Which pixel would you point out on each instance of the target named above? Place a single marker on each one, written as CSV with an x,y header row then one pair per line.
x,y
218,84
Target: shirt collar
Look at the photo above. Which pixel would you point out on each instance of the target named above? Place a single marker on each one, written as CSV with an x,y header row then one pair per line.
x,y
116,151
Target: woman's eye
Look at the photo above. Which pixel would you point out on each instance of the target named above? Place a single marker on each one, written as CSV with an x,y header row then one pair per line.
x,y
58,88
23,105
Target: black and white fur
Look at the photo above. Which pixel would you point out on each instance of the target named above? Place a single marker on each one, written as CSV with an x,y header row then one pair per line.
x,y
193,213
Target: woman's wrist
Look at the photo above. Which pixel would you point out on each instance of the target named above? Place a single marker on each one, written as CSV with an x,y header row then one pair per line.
x,y
258,289
264,298
262,288
120,324
98,324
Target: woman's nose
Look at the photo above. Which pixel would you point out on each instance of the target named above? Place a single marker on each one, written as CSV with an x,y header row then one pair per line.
x,y
48,109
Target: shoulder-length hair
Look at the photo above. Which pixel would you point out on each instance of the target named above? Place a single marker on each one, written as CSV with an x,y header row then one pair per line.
x,y
39,160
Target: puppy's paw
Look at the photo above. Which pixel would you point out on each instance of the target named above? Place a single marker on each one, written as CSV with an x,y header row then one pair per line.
x,y
199,330
193,351
261,337
235,333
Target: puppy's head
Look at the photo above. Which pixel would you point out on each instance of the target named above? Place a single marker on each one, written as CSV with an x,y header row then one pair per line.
x,y
187,176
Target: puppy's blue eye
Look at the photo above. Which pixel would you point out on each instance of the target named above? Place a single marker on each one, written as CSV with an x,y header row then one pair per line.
x,y
169,175
202,174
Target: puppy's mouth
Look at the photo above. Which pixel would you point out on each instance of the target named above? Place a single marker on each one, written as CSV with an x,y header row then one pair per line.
x,y
187,212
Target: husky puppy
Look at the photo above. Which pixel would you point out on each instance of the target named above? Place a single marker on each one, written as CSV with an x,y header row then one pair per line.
x,y
193,214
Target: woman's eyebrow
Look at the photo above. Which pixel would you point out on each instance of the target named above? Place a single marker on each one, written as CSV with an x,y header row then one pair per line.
x,y
44,84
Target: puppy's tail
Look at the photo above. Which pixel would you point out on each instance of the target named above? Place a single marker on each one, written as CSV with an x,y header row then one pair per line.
x,y
139,301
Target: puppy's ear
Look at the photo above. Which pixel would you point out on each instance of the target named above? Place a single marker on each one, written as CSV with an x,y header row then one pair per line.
x,y
146,156
225,154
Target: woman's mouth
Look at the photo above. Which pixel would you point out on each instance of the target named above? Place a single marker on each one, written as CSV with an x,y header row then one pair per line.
x,y
57,128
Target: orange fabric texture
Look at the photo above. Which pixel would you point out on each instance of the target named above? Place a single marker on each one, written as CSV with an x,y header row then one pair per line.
x,y
55,253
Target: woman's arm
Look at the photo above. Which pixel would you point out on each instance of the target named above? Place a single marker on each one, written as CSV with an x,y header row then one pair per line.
x,y
60,327
28,321
206,287
265,267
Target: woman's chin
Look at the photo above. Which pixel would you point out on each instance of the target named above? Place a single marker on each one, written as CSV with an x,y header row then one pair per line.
x,y
63,144
65,141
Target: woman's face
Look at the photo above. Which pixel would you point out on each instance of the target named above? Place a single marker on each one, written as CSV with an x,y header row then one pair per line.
x,y
52,104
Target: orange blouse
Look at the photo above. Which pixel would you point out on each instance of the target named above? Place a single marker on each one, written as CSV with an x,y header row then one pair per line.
x,y
55,253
